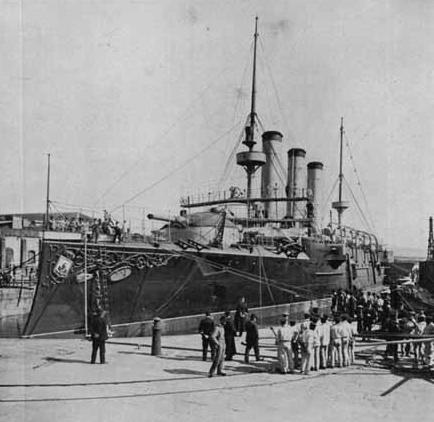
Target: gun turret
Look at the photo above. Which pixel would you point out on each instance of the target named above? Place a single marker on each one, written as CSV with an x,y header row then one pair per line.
x,y
182,221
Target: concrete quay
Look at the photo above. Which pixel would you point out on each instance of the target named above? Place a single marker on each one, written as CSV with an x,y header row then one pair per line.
x,y
52,379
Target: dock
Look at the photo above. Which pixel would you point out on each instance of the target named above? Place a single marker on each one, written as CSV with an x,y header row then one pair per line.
x,y
52,379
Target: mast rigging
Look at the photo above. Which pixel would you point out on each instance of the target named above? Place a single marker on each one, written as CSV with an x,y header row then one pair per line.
x,y
251,160
340,206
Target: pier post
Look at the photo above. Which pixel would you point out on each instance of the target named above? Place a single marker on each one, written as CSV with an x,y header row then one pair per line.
x,y
156,337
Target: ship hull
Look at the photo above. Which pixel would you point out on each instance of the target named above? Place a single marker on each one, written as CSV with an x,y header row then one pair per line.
x,y
138,283
426,275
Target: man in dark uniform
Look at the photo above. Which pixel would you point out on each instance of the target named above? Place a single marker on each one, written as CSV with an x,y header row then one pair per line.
x,y
252,338
241,315
206,328
230,333
99,334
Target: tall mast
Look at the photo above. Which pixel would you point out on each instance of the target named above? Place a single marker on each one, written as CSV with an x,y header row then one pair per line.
x,y
47,209
253,103
341,175
251,160
340,206
430,254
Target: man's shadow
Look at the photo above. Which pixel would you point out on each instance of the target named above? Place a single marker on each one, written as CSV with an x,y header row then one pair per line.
x,y
63,360
184,371
197,358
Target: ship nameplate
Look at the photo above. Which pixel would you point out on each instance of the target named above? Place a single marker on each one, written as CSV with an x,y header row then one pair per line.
x,y
82,276
120,274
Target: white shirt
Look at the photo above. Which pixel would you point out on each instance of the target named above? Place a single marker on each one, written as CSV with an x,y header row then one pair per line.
x,y
325,334
285,333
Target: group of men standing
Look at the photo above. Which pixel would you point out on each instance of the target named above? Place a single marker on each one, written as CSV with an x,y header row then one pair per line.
x,y
411,325
315,343
220,339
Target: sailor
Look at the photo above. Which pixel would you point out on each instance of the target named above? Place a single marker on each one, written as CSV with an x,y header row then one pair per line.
x,y
304,325
352,341
295,345
341,301
241,315
218,339
420,328
117,233
394,328
229,336
412,328
334,301
336,344
252,339
99,335
206,327
96,227
284,336
324,341
429,350
345,334
316,343
351,304
360,320
307,349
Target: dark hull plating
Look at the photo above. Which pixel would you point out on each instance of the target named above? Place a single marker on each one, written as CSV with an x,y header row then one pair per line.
x,y
138,283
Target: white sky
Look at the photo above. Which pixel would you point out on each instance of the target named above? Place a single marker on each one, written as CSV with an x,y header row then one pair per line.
x,y
136,88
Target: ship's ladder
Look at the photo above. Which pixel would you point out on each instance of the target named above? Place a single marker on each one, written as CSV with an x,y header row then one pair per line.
x,y
100,294
103,286
105,297
96,302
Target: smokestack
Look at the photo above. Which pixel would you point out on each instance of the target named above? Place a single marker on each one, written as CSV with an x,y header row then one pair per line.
x,y
271,181
296,182
314,173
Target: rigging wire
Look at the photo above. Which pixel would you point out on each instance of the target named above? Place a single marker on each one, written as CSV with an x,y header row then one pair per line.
x,y
176,169
229,162
74,206
240,86
247,275
58,211
276,91
328,199
181,117
359,183
364,219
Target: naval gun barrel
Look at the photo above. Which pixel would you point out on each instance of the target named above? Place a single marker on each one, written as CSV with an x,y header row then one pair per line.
x,y
172,220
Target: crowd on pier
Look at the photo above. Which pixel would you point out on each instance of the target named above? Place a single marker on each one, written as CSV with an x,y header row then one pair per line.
x,y
323,341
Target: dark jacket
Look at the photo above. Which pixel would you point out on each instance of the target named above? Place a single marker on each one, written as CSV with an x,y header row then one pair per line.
x,y
98,328
206,326
229,328
242,309
252,334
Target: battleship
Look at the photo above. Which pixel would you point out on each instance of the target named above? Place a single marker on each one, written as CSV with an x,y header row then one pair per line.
x,y
266,245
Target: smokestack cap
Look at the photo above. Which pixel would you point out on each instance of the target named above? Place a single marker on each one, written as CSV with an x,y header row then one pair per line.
x,y
297,152
272,135
315,165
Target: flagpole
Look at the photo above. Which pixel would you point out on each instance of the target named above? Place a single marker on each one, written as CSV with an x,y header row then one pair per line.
x,y
47,204
85,286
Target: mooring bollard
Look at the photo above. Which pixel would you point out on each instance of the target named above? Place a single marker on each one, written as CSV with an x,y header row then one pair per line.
x,y
156,338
